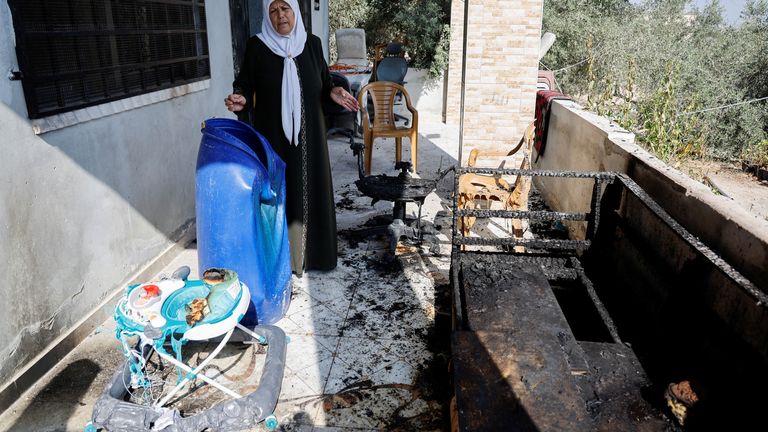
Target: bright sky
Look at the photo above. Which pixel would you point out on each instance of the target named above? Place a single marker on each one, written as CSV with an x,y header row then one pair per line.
x,y
732,7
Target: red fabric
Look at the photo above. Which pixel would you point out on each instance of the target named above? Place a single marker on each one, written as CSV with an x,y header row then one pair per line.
x,y
544,100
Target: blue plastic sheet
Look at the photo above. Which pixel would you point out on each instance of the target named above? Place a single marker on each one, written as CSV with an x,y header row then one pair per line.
x,y
240,208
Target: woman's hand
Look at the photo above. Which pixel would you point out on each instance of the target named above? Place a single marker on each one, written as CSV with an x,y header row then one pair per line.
x,y
343,98
235,102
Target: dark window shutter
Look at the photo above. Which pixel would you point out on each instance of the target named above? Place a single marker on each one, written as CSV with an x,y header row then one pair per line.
x,y
78,53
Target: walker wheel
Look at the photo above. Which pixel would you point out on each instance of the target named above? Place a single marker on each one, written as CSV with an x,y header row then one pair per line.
x,y
271,422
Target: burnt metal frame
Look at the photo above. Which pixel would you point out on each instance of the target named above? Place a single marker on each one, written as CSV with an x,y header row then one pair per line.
x,y
572,247
761,298
592,218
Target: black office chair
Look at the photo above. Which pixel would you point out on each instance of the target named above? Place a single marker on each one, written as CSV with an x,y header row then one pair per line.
x,y
382,51
393,69
335,112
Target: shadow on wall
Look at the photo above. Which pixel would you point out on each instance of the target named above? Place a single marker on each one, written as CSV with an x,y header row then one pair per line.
x,y
87,206
90,204
97,176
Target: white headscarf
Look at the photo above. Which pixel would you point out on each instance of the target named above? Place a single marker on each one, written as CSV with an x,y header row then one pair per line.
x,y
288,47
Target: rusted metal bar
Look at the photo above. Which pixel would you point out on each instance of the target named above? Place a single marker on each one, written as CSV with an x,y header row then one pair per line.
x,y
531,243
595,206
524,214
537,173
459,320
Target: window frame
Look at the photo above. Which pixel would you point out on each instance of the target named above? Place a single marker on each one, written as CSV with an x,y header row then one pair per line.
x,y
113,70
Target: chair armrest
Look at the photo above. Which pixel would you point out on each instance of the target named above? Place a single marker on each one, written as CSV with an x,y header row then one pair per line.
x,y
409,105
362,101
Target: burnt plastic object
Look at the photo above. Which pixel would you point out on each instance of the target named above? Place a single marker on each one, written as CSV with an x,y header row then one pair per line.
x,y
114,414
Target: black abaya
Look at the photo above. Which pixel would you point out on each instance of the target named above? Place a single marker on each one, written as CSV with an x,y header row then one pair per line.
x,y
310,205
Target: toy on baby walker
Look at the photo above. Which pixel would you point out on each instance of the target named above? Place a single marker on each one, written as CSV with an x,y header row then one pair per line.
x,y
175,310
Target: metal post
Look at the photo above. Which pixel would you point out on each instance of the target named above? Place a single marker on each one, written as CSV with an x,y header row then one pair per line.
x,y
463,79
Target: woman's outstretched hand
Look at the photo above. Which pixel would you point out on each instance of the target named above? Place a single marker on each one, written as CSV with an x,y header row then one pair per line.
x,y
343,98
235,102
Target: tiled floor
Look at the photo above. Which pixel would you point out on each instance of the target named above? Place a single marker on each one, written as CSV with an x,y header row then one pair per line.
x,y
359,346
364,353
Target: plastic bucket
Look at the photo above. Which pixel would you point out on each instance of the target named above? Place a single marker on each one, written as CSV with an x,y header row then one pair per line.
x,y
240,209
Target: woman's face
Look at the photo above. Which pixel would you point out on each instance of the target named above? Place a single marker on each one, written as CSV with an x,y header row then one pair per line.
x,y
282,17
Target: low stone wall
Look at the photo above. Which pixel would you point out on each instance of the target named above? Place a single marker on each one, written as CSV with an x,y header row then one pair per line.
x,y
578,140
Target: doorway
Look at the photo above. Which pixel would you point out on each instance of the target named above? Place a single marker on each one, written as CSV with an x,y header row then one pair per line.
x,y
245,20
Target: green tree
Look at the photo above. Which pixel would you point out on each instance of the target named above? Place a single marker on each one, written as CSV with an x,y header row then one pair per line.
x,y
575,22
422,25
344,14
680,77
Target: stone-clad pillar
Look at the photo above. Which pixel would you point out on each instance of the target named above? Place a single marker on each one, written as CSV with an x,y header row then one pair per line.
x,y
453,96
502,63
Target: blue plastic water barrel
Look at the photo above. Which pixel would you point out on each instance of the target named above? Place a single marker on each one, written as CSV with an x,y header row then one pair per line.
x,y
240,208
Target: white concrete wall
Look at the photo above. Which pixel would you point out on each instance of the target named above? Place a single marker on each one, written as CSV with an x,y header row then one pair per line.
x,y
579,140
320,24
582,141
84,207
426,94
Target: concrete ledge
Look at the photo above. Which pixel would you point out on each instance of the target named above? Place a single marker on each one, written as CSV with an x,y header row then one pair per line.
x,y
44,362
582,141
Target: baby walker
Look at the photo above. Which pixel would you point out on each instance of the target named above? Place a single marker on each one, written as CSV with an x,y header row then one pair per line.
x,y
176,310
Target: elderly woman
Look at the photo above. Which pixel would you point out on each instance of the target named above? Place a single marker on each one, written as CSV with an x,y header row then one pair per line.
x,y
284,79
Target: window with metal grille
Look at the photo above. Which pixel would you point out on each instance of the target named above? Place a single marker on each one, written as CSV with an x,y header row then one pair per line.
x,y
78,53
